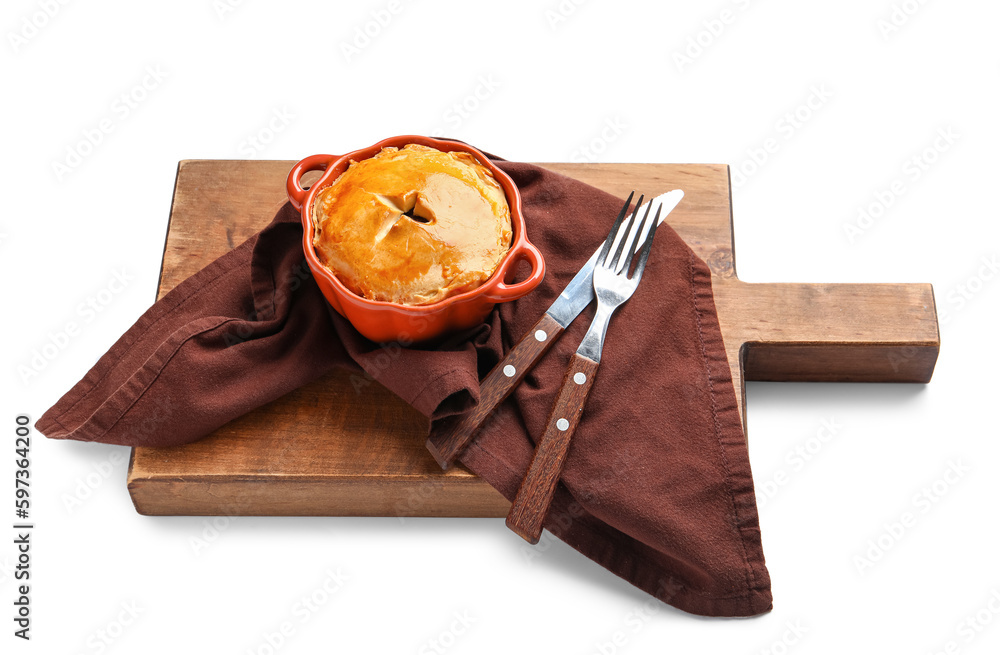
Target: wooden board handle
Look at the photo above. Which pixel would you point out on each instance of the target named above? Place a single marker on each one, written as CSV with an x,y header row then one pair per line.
x,y
831,332
531,504
495,388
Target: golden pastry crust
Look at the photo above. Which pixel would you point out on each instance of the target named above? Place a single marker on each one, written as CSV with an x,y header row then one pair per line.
x,y
412,226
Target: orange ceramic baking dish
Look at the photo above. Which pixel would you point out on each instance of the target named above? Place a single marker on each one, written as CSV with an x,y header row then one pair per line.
x,y
386,321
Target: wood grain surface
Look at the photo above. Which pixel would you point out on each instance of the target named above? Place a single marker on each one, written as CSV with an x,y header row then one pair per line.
x,y
531,505
495,388
325,449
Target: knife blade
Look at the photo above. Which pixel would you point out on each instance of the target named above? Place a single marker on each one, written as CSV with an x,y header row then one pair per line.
x,y
580,291
506,375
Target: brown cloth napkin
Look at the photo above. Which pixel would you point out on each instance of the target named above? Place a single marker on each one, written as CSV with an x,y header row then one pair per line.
x,y
657,486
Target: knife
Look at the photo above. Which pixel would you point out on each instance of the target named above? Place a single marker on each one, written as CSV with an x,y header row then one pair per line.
x,y
506,375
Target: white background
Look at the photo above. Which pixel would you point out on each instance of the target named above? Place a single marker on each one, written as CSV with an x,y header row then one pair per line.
x,y
550,79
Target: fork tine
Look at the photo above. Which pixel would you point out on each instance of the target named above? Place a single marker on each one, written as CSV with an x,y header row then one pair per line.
x,y
634,243
641,265
614,231
624,234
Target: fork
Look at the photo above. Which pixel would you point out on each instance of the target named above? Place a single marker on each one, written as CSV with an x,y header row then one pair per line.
x,y
613,286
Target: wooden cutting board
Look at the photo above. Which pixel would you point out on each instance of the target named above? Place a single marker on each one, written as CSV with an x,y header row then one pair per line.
x,y
325,450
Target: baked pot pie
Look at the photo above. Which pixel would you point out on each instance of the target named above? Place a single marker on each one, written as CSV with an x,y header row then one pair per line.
x,y
412,225
413,237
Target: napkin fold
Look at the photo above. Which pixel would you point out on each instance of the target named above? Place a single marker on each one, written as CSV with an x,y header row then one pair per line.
x,y
657,486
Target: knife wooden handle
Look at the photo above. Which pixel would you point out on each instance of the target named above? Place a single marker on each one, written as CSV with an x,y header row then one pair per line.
x,y
494,388
531,504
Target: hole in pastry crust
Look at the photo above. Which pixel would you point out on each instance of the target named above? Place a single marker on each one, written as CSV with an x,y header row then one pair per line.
x,y
410,205
418,219
400,203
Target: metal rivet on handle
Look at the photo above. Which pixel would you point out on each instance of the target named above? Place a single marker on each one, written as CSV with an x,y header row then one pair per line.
x,y
562,424
540,335
580,378
509,371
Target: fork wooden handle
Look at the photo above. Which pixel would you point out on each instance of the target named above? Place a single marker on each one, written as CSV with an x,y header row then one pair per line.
x,y
494,388
531,504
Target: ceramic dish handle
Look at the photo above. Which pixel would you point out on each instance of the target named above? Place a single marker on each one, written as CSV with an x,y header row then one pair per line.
x,y
503,292
296,194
